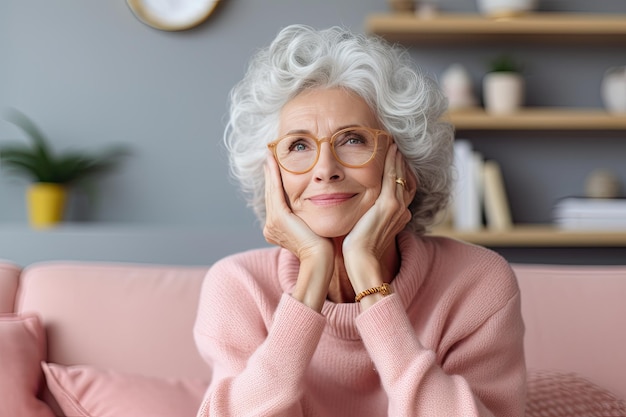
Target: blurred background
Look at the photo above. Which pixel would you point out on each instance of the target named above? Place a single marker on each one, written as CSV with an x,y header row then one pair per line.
x,y
90,74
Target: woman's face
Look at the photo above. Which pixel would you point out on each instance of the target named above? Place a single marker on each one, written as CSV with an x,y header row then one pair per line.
x,y
331,198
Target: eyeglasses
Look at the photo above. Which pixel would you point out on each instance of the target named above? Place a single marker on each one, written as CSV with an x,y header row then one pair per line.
x,y
352,147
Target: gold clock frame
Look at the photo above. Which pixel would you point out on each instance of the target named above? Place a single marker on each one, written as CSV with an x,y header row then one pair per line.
x,y
160,19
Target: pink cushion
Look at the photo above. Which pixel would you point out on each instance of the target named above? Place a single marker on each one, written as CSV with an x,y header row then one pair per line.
x,y
22,348
9,281
563,394
88,391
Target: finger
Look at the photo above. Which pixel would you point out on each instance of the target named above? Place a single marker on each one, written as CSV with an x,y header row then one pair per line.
x,y
389,180
405,172
400,175
268,182
404,186
273,201
274,193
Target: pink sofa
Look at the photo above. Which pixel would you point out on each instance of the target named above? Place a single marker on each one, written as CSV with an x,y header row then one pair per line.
x,y
114,339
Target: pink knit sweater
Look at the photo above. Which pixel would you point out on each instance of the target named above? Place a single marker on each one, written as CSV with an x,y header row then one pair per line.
x,y
448,342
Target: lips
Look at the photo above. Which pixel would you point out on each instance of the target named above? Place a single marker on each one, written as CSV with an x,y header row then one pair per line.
x,y
330,199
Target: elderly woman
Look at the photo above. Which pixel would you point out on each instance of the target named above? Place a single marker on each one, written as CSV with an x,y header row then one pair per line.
x,y
340,146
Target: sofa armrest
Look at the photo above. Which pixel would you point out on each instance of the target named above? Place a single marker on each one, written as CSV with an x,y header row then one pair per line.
x,y
574,318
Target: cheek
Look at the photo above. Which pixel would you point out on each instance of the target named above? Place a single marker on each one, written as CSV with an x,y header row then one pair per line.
x,y
293,188
374,178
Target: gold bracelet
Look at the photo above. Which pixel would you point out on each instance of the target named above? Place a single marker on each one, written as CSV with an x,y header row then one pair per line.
x,y
384,290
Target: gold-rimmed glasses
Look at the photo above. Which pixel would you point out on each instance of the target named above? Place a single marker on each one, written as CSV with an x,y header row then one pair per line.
x,y
352,147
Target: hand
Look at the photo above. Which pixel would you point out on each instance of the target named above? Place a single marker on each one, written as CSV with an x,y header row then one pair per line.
x,y
285,229
367,242
282,226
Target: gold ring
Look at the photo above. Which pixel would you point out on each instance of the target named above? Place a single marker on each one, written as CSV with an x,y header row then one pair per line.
x,y
401,181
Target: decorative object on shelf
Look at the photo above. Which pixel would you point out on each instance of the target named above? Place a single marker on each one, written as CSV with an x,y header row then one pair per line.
x,y
506,8
602,183
51,174
402,6
172,15
503,86
427,10
457,85
614,89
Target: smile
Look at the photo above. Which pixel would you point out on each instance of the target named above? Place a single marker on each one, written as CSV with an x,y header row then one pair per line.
x,y
330,199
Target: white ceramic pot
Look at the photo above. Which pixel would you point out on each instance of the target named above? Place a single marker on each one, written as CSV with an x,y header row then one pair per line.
x,y
457,86
506,8
503,92
614,89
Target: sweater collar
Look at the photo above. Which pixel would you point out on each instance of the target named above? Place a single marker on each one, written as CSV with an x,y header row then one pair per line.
x,y
340,317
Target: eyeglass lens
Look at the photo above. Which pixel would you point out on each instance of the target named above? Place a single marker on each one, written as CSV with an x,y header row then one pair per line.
x,y
353,147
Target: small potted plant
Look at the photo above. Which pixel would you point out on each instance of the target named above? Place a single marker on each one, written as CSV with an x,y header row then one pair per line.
x,y
51,174
503,86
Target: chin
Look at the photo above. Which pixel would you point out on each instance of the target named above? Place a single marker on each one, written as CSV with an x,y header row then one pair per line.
x,y
330,226
333,230
331,234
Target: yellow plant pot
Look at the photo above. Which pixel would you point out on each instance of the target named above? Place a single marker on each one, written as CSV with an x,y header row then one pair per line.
x,y
46,204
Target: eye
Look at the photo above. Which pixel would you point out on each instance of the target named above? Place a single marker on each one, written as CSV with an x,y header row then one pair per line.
x,y
300,144
354,138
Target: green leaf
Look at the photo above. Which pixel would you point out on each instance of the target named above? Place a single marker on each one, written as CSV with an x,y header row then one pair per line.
x,y
505,63
38,162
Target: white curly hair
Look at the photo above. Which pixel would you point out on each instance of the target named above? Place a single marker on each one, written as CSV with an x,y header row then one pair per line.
x,y
409,105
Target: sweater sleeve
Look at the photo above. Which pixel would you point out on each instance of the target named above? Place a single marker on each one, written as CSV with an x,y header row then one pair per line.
x,y
257,371
483,374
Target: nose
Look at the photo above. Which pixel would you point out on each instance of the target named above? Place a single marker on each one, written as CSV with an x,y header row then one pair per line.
x,y
327,167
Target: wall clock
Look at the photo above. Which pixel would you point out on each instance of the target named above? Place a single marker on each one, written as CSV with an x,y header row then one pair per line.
x,y
172,15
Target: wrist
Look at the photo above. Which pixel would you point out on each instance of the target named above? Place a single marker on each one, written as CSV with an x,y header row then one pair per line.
x,y
364,274
312,284
382,290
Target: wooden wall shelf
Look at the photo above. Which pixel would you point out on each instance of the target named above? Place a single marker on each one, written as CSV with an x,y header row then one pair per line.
x,y
470,28
539,119
538,236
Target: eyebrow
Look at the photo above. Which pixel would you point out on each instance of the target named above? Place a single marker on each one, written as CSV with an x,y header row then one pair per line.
x,y
297,131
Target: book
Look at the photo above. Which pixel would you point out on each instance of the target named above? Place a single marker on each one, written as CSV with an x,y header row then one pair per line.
x,y
466,200
479,195
590,206
590,213
592,223
497,210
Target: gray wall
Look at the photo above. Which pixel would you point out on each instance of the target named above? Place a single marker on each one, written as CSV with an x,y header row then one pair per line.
x,y
89,74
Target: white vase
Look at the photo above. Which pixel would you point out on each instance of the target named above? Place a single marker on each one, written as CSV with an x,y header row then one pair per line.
x,y
503,92
506,8
614,89
457,86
